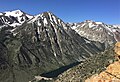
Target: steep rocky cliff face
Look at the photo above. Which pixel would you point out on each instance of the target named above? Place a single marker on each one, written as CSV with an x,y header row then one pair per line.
x,y
32,45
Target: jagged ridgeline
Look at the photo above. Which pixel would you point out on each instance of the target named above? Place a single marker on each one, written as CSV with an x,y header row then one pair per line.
x,y
33,45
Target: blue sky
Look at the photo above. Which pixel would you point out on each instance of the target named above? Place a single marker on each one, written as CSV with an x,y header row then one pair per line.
x,y
107,11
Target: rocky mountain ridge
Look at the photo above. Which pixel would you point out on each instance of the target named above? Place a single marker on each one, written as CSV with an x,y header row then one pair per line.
x,y
14,18
33,45
97,31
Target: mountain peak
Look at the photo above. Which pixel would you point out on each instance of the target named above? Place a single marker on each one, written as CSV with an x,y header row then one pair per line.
x,y
14,18
49,15
94,30
91,21
17,11
48,18
47,12
14,13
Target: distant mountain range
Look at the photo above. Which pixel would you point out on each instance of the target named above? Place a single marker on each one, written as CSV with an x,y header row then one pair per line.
x,y
97,31
32,45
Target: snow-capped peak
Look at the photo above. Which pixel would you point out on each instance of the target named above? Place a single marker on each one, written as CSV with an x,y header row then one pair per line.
x,y
1,13
14,18
98,22
14,13
90,29
47,18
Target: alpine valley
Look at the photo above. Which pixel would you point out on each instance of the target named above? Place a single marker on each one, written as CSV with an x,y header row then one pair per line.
x,y
44,45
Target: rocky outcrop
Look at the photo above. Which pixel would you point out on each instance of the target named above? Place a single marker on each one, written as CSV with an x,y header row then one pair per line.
x,y
117,50
112,72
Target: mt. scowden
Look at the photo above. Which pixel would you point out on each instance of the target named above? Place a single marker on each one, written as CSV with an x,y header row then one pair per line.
x,y
35,45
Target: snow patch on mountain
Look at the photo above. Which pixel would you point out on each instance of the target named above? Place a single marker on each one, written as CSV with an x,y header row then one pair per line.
x,y
117,26
14,18
15,13
98,22
96,31
1,13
